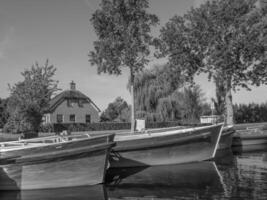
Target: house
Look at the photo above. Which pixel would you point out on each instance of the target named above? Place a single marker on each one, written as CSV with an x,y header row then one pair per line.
x,y
71,106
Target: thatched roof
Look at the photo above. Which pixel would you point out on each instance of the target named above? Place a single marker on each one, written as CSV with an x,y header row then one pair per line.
x,y
69,94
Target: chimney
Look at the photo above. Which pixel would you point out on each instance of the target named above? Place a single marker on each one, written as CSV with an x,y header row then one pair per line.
x,y
72,85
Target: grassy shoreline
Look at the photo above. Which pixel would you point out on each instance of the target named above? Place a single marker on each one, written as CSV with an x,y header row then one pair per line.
x,y
11,137
5,137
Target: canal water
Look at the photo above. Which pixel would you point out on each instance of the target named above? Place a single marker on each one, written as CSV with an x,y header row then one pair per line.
x,y
235,174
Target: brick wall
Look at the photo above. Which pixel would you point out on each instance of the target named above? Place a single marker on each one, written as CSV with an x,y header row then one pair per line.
x,y
79,112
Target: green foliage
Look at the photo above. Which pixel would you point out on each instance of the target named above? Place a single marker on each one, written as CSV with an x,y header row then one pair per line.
x,y
151,85
29,98
192,104
221,36
15,123
159,96
123,29
125,115
225,36
5,137
206,109
46,128
117,111
107,126
250,113
103,126
3,112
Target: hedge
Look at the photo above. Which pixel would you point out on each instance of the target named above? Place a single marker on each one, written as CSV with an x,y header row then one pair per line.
x,y
5,137
102,126
91,126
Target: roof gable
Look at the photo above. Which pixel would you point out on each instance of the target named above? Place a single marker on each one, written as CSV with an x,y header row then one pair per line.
x,y
68,94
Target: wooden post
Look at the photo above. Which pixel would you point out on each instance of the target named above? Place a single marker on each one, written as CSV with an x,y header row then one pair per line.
x,y
133,107
229,104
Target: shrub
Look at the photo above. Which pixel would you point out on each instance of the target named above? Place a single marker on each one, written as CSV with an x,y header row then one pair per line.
x,y
47,128
91,126
104,126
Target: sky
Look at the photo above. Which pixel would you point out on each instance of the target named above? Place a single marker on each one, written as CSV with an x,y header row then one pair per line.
x,y
60,30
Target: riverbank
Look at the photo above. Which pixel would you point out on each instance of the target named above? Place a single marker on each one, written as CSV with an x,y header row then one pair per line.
x,y
5,137
243,129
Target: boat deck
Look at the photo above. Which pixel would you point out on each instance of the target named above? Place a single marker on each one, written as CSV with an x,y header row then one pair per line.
x,y
151,133
38,142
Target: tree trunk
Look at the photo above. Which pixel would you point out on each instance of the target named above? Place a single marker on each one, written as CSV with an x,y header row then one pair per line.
x,y
229,103
133,107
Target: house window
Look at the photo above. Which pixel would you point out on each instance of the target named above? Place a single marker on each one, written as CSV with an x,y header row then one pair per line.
x,y
59,118
88,118
72,118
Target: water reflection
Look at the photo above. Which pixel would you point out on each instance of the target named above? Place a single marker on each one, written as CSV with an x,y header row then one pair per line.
x,y
80,193
241,175
195,180
249,149
252,171
246,178
225,158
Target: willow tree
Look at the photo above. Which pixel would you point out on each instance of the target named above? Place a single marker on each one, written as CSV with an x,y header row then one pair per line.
x,y
226,37
123,28
152,84
161,95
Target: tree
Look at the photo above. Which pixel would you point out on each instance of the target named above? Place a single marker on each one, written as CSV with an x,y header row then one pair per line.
x,y
152,84
3,112
228,37
29,98
123,29
250,113
219,101
116,111
193,102
161,95
125,115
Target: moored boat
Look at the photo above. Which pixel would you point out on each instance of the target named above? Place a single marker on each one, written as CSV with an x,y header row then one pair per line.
x,y
54,162
225,140
166,146
249,137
